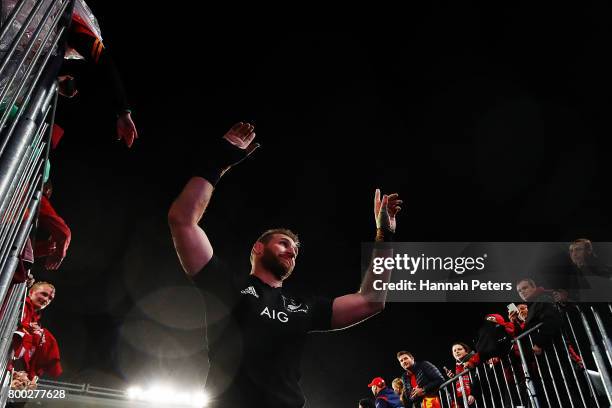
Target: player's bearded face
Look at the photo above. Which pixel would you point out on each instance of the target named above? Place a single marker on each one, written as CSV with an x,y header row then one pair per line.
x,y
278,266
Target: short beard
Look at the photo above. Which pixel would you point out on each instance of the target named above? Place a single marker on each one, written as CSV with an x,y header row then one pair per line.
x,y
274,265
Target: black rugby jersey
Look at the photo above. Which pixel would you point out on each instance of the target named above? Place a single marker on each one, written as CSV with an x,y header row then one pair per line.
x,y
256,335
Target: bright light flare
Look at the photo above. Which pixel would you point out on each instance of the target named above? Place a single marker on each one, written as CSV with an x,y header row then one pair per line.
x,y
160,394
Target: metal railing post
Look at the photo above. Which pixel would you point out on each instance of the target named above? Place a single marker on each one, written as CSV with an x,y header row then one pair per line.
x,y
488,384
462,388
501,362
599,360
531,393
586,374
565,383
604,335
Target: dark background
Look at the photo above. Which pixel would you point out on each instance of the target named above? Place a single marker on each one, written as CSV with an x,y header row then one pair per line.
x,y
491,124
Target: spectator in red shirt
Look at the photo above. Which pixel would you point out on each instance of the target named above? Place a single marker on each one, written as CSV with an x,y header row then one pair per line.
x,y
35,349
421,380
464,358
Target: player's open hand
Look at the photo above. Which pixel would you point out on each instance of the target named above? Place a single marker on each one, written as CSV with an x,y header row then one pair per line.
x,y
386,209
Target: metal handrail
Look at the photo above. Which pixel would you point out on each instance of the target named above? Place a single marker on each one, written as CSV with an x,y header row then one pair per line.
x,y
11,19
18,38
34,62
24,147
514,340
527,332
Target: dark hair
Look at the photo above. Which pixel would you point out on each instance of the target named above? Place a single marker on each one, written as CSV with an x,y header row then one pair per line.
x,y
467,348
366,403
401,353
267,235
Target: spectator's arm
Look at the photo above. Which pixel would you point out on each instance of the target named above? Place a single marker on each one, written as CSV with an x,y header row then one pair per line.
x,y
474,360
518,329
61,235
551,326
407,396
432,372
93,50
407,390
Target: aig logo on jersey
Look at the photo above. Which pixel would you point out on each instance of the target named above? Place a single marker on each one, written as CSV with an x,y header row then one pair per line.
x,y
274,315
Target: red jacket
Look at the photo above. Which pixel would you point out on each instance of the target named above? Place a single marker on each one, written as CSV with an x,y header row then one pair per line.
x,y
467,384
473,359
39,351
51,222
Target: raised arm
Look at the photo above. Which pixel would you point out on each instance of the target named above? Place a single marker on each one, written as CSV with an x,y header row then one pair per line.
x,y
353,308
190,241
192,245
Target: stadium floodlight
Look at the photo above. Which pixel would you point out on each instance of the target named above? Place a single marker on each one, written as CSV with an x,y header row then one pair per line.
x,y
134,393
161,394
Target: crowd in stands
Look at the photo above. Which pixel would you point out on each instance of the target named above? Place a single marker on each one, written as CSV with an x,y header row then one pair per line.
x,y
540,317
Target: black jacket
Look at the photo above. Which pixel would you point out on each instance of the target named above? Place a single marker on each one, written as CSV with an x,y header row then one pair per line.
x,y
427,376
542,309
